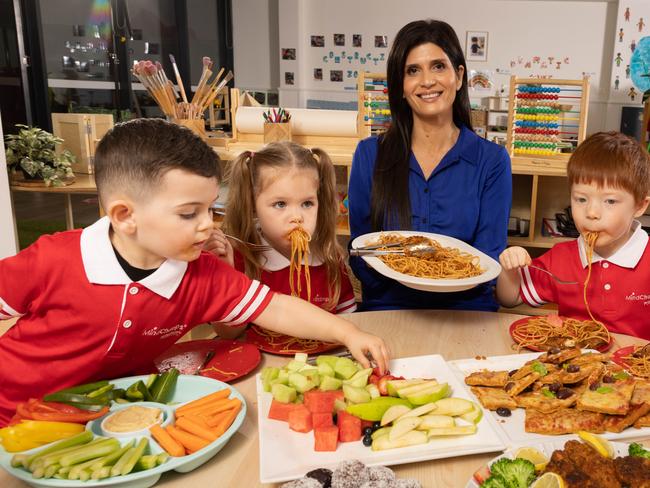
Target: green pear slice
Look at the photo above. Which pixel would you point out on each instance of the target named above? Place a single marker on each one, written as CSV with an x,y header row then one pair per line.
x,y
433,394
436,422
393,413
411,390
454,406
393,385
401,427
411,438
421,410
380,432
458,430
474,416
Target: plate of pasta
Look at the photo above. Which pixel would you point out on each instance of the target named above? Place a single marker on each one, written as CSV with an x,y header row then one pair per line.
x,y
636,359
553,331
454,266
284,345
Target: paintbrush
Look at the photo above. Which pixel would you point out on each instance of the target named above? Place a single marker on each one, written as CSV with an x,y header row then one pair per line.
x,y
178,78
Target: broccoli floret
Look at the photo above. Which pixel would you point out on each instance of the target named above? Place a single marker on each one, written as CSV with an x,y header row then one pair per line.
x,y
516,473
521,473
495,481
638,450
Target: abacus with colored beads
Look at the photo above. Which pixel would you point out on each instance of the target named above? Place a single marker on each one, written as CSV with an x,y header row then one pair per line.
x,y
546,118
374,110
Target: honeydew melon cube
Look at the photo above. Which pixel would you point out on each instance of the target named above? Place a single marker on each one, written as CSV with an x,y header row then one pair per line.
x,y
300,382
325,369
329,383
283,393
301,357
355,395
345,368
325,359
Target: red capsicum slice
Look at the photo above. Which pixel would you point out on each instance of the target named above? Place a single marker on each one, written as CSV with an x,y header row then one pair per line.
x,y
56,412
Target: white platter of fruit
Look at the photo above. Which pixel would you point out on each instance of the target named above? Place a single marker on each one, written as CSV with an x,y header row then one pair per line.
x,y
316,415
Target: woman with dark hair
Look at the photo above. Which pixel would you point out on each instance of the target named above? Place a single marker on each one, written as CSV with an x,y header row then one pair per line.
x,y
429,171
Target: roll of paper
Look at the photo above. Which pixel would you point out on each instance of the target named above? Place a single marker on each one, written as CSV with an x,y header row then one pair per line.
x,y
304,122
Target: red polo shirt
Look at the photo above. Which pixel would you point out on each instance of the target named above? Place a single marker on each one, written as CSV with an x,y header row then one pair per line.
x,y
82,319
619,288
275,274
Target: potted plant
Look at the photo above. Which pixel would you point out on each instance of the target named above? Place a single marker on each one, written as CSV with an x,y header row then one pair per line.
x,y
32,153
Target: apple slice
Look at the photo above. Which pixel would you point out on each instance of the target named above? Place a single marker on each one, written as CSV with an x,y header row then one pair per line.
x,y
454,406
413,389
394,385
393,413
474,416
411,438
401,427
457,430
421,410
433,394
380,432
436,422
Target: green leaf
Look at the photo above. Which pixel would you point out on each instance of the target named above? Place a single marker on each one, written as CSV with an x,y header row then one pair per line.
x,y
604,389
539,368
548,393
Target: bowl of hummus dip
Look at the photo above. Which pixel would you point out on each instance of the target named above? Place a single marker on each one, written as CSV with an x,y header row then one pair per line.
x,y
135,419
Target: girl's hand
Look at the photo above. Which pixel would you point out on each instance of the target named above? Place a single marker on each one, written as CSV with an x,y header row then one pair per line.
x,y
219,245
514,258
362,345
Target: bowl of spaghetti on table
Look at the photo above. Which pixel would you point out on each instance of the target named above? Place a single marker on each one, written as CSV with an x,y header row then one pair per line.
x,y
454,266
552,331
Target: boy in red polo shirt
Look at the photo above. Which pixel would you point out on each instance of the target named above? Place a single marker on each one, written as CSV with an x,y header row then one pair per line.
x,y
102,302
609,174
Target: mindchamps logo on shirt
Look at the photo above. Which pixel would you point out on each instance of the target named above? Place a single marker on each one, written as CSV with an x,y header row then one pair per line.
x,y
165,332
641,297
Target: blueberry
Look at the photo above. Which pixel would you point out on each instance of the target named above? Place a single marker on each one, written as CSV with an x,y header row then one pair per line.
x,y
376,425
367,440
368,431
504,412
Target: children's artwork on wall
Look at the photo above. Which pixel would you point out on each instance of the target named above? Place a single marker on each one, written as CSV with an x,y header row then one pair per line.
x,y
289,53
356,40
317,41
339,39
336,75
288,78
480,80
273,99
631,59
476,46
318,74
381,41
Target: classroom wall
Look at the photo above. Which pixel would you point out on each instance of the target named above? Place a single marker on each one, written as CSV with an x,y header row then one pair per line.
x,y
8,236
579,33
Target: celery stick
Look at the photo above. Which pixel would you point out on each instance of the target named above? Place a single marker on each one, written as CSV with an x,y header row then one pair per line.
x,y
85,475
162,458
75,471
146,462
81,438
51,470
111,459
55,457
19,460
116,470
101,473
92,452
38,473
63,471
59,477
139,451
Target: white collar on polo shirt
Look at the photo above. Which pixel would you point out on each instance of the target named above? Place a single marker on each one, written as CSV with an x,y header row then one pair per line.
x,y
627,256
274,261
102,267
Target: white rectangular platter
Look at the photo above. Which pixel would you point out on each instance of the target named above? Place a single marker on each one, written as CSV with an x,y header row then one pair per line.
x,y
513,426
286,455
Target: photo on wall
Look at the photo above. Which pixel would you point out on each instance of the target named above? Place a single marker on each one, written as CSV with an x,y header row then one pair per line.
x,y
339,39
356,40
318,74
288,78
289,53
317,41
476,46
336,75
381,41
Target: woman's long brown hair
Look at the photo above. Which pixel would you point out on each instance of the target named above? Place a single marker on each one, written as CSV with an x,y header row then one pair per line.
x,y
245,183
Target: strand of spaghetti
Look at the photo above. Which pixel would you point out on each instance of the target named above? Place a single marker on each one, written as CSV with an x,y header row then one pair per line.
x,y
590,241
539,332
285,342
217,370
638,363
299,257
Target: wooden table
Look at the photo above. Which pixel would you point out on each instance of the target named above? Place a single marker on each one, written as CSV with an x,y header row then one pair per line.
x,y
453,334
82,185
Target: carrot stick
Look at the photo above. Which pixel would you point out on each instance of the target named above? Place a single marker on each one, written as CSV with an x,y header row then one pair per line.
x,y
188,440
226,421
225,393
166,441
222,407
199,419
193,428
215,419
201,408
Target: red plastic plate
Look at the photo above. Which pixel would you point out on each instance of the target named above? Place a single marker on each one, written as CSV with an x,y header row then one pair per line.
x,y
279,345
230,359
520,322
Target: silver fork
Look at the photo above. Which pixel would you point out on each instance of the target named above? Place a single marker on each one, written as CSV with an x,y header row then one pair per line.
x,y
250,245
559,280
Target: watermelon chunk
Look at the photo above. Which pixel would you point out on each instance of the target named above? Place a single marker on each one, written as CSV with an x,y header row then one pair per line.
x,y
326,438
319,401
322,420
300,419
280,411
349,427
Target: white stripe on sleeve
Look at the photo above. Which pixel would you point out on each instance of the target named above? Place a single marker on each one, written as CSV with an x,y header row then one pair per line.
x,y
528,287
252,307
252,289
6,311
